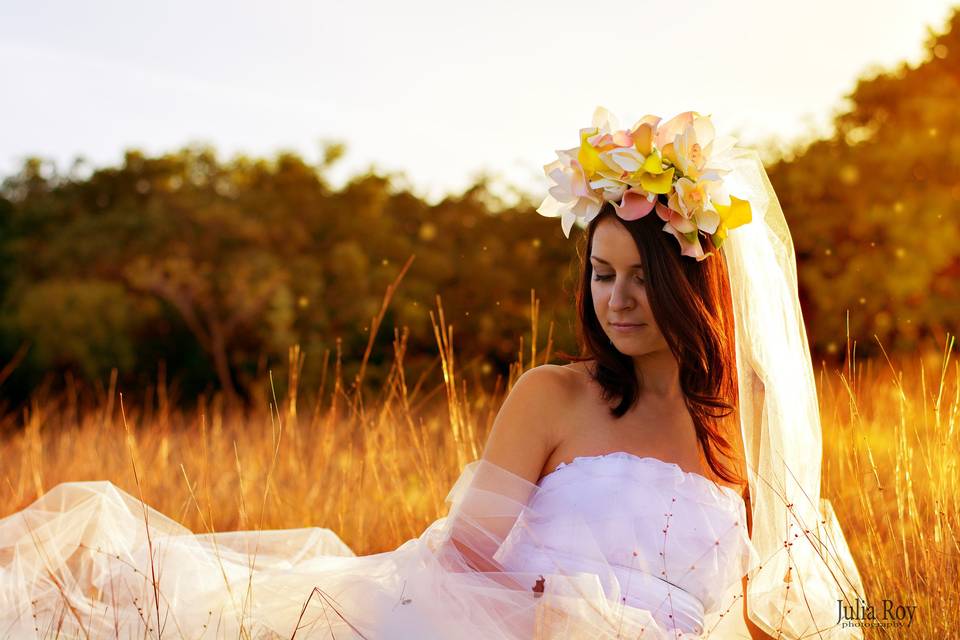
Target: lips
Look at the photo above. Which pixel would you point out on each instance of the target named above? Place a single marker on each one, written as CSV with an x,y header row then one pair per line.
x,y
626,329
627,324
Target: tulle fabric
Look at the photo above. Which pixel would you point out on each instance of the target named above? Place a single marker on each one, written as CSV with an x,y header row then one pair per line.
x,y
604,547
807,568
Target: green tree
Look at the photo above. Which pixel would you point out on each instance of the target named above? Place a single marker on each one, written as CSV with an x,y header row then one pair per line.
x,y
873,209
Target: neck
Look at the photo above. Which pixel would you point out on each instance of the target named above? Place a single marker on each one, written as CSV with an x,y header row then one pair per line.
x,y
660,374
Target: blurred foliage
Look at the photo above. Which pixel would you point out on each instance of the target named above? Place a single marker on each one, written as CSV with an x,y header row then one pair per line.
x,y
874,209
212,269
216,268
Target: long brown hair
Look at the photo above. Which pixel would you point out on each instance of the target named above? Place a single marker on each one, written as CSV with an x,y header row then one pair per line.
x,y
691,304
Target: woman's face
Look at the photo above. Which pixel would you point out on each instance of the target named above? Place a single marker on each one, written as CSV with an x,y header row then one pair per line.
x,y
619,291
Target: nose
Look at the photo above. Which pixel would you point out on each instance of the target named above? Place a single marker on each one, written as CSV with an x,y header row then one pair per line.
x,y
620,298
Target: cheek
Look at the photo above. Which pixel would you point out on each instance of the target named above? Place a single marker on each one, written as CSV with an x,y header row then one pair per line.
x,y
642,298
599,300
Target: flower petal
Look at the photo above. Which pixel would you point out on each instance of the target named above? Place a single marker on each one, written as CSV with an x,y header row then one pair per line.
x,y
737,213
682,223
719,236
657,183
707,220
604,120
643,133
634,206
550,207
622,139
692,196
586,208
589,159
566,222
624,158
688,247
689,153
670,153
664,211
704,130
669,130
612,189
653,163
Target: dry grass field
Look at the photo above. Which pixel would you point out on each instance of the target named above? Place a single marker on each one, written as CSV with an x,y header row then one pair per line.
x,y
377,471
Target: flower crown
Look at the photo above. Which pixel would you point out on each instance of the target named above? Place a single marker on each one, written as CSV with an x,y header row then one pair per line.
x,y
680,160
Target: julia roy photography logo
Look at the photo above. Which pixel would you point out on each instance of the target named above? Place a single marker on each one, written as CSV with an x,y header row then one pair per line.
x,y
887,614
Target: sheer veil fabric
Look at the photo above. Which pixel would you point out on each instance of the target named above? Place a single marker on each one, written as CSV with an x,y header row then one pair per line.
x,y
807,567
612,546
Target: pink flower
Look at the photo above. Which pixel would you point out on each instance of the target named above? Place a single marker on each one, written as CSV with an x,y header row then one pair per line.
x,y
689,243
636,204
683,229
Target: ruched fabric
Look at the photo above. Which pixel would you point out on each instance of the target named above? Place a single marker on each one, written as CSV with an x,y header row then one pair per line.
x,y
661,539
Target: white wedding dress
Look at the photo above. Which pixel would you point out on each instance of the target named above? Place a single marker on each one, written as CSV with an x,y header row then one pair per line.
x,y
603,547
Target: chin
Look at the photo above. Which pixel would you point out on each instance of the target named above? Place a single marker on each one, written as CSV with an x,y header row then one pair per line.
x,y
629,347
633,345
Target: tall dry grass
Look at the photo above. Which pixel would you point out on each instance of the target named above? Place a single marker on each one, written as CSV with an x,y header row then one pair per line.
x,y
891,452
377,473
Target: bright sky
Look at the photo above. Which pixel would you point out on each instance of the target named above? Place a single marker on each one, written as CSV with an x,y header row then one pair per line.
x,y
437,89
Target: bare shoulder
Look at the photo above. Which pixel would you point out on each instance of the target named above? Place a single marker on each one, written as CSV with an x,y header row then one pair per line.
x,y
529,423
560,384
560,389
548,386
582,368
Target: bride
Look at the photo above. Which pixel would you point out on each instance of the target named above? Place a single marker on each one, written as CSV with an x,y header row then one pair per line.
x,y
664,484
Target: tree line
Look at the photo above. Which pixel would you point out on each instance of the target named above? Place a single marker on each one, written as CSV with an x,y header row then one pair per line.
x,y
215,267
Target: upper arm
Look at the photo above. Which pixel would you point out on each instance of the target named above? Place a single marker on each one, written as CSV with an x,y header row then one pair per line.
x,y
524,432
520,441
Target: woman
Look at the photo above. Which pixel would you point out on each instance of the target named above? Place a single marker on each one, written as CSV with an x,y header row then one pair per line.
x,y
635,427
610,500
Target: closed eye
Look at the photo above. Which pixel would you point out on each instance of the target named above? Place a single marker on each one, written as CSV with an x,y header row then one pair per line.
x,y
597,276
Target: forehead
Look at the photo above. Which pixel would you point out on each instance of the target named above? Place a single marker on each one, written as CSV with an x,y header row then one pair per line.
x,y
614,244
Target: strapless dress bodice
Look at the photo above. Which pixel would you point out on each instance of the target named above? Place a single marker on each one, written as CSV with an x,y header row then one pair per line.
x,y
660,538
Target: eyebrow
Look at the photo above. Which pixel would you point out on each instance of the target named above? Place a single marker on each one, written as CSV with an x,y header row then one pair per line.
x,y
599,259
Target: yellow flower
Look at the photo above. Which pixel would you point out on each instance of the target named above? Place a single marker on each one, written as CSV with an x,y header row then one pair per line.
x,y
587,156
737,213
657,183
